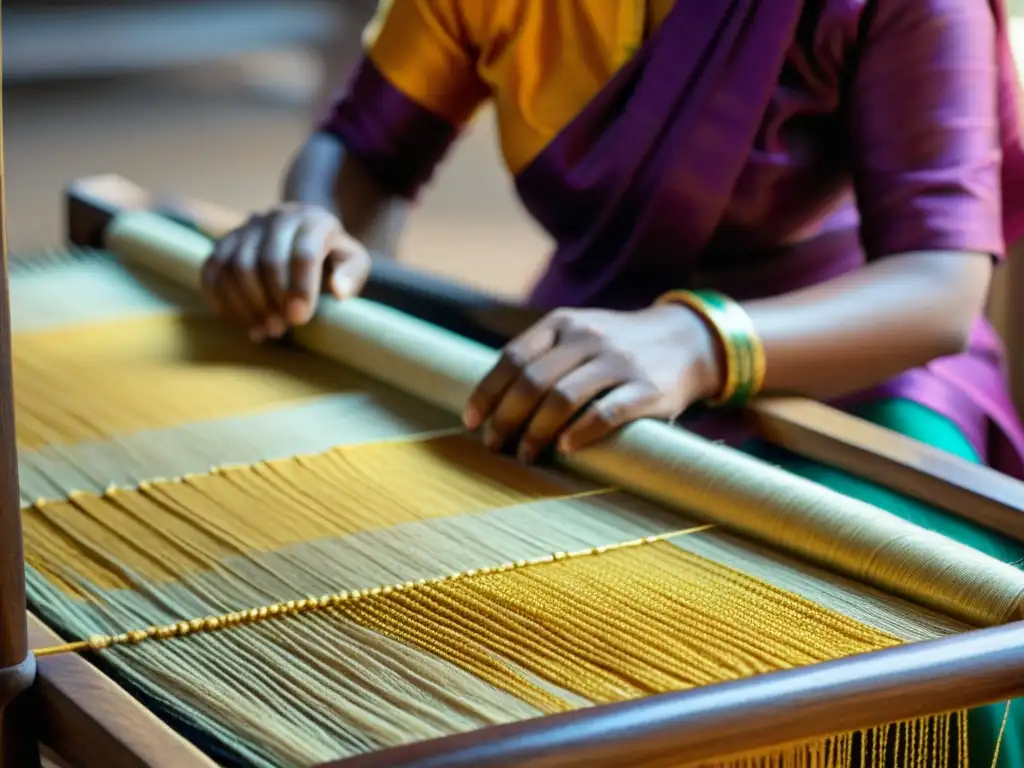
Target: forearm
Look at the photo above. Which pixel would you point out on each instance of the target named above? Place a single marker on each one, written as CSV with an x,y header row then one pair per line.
x,y
865,327
324,174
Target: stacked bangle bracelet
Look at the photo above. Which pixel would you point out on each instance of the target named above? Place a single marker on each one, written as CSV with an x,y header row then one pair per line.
x,y
742,350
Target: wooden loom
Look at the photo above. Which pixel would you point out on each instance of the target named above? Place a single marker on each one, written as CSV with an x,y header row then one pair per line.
x,y
88,719
83,715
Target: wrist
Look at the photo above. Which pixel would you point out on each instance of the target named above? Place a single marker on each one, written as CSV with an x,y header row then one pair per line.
x,y
706,372
711,359
732,359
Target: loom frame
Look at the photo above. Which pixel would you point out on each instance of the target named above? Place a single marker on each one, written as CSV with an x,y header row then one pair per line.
x,y
17,664
79,711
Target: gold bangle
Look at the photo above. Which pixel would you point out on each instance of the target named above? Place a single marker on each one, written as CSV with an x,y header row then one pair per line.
x,y
743,351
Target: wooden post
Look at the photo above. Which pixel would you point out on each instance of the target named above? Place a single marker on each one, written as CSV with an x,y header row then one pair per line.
x,y
18,743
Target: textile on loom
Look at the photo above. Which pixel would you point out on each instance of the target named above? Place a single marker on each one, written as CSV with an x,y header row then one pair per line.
x,y
294,561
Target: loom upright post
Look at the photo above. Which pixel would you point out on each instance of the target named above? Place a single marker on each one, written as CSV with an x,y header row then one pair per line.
x,y
19,745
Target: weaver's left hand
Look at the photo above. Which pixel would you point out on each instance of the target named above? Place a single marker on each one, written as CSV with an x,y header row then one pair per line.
x,y
579,374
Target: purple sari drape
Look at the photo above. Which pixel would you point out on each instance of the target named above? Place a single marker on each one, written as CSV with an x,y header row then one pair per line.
x,y
634,189
640,179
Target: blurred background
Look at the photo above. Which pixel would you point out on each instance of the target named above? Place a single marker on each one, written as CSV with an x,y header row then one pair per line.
x,y
210,98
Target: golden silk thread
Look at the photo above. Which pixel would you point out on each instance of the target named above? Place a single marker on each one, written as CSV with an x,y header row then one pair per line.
x,y
303,605
587,650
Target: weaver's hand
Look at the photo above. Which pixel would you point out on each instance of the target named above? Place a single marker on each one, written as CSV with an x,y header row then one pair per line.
x,y
577,375
268,273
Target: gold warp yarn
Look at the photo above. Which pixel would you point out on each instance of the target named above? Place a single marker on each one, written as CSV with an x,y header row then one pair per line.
x,y
940,740
165,530
604,629
619,626
290,608
628,653
635,622
92,381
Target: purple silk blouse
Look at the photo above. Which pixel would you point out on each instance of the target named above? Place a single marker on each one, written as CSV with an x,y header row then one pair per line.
x,y
854,150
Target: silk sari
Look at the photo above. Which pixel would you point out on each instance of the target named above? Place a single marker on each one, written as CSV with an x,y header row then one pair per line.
x,y
754,147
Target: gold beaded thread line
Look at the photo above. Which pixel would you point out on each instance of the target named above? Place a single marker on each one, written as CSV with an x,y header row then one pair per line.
x,y
306,605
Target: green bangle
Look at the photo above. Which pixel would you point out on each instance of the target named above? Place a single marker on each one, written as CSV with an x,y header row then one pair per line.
x,y
744,353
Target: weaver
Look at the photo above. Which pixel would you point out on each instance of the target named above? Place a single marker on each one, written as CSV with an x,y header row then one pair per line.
x,y
295,560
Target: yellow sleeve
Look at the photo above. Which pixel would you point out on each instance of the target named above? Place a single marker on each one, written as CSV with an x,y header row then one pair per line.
x,y
426,50
412,92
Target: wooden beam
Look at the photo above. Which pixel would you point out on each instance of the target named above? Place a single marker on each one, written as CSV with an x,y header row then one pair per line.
x,y
705,725
916,469
18,744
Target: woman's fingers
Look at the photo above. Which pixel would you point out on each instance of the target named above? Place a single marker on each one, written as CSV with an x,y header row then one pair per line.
x,y
515,358
212,269
244,292
269,273
306,267
274,255
569,393
564,401
619,407
221,282
531,387
347,269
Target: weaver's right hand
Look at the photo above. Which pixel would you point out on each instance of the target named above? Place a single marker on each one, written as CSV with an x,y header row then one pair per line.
x,y
268,273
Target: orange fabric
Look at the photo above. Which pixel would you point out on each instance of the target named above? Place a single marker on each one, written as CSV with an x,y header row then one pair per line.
x,y
540,62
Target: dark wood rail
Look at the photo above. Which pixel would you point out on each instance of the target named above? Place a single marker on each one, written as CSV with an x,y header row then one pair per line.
x,y
18,745
716,721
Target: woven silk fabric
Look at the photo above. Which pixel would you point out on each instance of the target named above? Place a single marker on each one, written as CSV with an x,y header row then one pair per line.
x,y
385,498
85,382
476,650
167,530
550,637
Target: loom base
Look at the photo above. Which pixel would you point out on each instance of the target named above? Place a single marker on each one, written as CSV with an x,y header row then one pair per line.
x,y
90,720
19,747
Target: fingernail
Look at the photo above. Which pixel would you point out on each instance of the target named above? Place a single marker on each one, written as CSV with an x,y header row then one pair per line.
x,y
341,287
470,418
565,445
491,438
275,327
257,335
526,454
296,310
